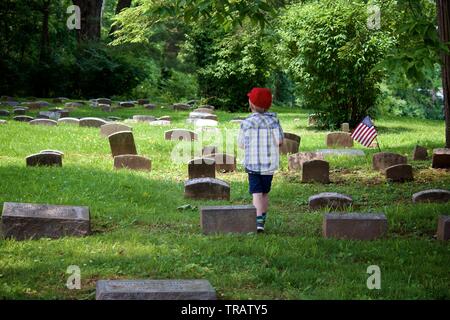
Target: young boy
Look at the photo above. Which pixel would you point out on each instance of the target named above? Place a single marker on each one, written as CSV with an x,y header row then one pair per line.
x,y
261,136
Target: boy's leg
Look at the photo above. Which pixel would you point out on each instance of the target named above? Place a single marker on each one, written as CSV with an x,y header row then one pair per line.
x,y
265,202
259,203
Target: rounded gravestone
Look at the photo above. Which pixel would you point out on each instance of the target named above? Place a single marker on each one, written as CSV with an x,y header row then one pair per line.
x,y
122,143
339,139
132,162
92,122
143,118
330,200
316,171
127,104
441,158
291,143
433,195
44,122
110,128
383,160
224,162
23,118
207,189
181,106
74,121
44,159
420,153
180,135
399,173
202,168
296,160
4,113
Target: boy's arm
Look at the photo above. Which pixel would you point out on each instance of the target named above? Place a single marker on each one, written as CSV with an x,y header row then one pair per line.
x,y
241,136
281,133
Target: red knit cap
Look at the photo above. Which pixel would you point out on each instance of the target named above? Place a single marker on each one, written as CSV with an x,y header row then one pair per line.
x,y
261,97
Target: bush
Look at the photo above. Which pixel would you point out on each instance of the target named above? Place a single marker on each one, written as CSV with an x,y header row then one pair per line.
x,y
330,52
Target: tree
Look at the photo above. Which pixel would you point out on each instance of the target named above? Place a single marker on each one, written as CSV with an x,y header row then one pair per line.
x,y
121,5
91,18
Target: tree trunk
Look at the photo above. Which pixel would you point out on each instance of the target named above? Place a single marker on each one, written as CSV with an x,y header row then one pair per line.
x,y
122,4
91,19
443,12
45,38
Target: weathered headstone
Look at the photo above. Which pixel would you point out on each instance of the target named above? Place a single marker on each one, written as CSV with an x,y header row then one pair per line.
x,y
105,107
339,139
23,118
204,110
143,102
202,168
19,111
433,195
291,143
228,219
132,162
108,129
443,230
354,226
296,160
92,122
180,135
383,160
122,143
53,151
399,173
144,118
193,116
441,158
209,150
127,104
113,118
37,104
207,189
420,153
4,113
342,152
160,123
23,221
74,121
207,106
312,120
154,290
181,106
104,101
44,122
316,171
44,159
73,105
224,162
330,200
345,127
150,106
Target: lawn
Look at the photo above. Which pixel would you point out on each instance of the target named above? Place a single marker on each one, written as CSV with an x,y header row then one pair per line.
x,y
138,232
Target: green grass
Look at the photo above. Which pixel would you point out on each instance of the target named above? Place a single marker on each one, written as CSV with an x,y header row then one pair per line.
x,y
139,233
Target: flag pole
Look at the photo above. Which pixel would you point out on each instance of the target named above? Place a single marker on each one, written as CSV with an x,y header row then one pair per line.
x,y
378,143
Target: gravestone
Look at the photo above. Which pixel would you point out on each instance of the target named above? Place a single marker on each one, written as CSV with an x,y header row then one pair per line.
x,y
37,104
44,122
433,195
103,101
92,122
399,173
228,219
74,121
23,221
383,160
193,116
113,118
330,200
165,118
339,139
143,102
312,120
11,103
23,118
420,153
345,127
224,162
127,104
342,152
150,106
209,150
180,135
122,143
140,118
316,171
441,158
160,123
73,105
59,100
53,151
205,123
204,110
108,129
208,106
443,230
354,226
44,159
181,107
207,189
132,162
291,143
19,111
105,107
4,113
296,160
202,168
154,290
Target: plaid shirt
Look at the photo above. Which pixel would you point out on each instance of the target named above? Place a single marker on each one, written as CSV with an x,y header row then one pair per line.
x,y
260,136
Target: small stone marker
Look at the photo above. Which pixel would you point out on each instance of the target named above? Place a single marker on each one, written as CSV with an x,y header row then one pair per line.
x,y
53,151
345,127
383,160
201,115
443,230
92,122
19,111
207,189
44,159
22,221
165,118
441,158
339,139
105,107
342,152
108,129
23,118
4,113
312,120
150,106
132,162
296,160
181,106
224,162
399,173
330,200
143,102
37,104
291,143
354,226
420,153
155,290
127,104
74,121
208,106
104,101
180,135
122,143
160,123
316,171
204,123
204,110
73,105
44,122
202,168
228,219
433,195
144,118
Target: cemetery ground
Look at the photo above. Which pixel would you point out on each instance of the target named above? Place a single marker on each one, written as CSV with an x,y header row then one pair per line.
x,y
139,232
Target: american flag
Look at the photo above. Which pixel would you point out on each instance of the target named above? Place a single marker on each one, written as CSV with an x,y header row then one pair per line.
x,y
365,133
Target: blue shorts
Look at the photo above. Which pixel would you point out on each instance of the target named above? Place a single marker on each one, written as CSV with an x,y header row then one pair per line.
x,y
259,183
